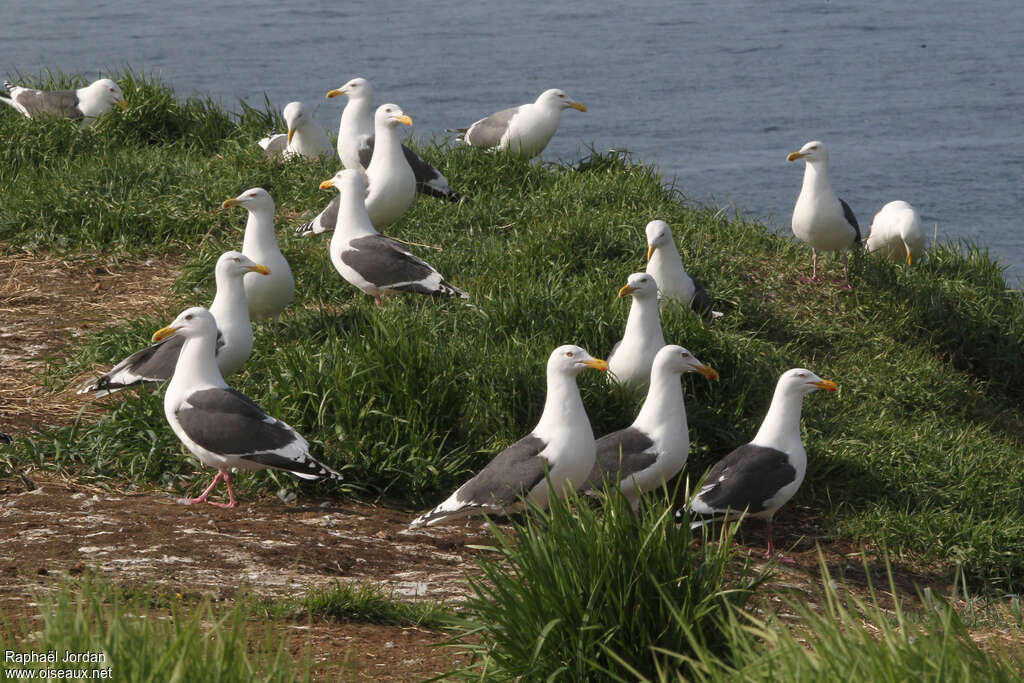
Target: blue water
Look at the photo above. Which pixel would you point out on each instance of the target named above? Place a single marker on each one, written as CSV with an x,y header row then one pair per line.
x,y
917,101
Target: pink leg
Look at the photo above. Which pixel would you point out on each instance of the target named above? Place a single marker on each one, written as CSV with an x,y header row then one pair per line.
x,y
771,547
231,493
846,273
205,494
380,301
814,269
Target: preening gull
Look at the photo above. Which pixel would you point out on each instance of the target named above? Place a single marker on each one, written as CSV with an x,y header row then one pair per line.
x,y
820,218
376,264
760,477
392,184
654,448
85,104
304,138
561,446
222,427
896,233
268,296
665,264
630,361
234,334
356,141
524,130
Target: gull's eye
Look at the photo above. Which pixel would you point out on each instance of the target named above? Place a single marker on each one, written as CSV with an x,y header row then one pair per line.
x,y
685,355
237,260
188,317
569,354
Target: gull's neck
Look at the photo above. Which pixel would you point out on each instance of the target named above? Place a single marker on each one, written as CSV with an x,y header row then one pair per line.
x,y
353,219
664,404
564,413
387,148
781,426
229,303
356,124
259,234
666,259
197,366
816,182
643,321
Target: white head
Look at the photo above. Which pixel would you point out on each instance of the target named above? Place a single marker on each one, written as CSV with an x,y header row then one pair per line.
x,y
659,234
676,360
254,199
191,323
348,180
390,115
813,152
236,264
572,360
640,286
296,115
558,99
356,89
106,90
800,382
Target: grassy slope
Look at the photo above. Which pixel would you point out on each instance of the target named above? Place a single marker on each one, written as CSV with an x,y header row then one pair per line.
x,y
919,452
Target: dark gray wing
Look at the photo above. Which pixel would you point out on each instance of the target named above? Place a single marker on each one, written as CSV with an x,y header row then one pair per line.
x,y
701,301
49,103
323,222
154,363
487,132
228,422
746,478
620,455
388,265
366,151
429,180
509,476
851,219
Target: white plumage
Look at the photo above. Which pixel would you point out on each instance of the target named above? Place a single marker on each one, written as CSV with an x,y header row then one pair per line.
x,y
560,447
524,130
304,138
86,104
666,265
631,359
896,233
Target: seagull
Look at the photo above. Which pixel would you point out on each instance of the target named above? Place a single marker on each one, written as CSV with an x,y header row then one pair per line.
x,y
630,361
268,296
896,233
559,450
760,477
665,264
234,334
820,218
392,184
356,141
222,427
304,138
376,264
85,104
654,448
524,130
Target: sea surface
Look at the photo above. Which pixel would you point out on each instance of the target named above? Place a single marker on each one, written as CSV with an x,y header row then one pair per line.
x,y
918,101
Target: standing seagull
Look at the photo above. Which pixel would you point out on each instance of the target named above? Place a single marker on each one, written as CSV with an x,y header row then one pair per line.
x,y
760,477
304,138
820,218
524,130
560,447
392,184
631,359
222,427
654,448
356,141
376,264
85,104
268,296
896,233
665,264
234,334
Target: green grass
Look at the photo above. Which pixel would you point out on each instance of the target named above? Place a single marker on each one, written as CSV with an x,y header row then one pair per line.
x,y
578,591
918,453
140,643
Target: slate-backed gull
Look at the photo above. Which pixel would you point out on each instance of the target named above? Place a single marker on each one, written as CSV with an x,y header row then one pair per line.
x,y
524,130
85,104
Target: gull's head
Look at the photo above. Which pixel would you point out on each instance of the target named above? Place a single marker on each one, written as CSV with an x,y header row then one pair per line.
x,y
106,90
254,199
572,360
640,286
659,234
356,89
677,360
801,381
390,115
558,99
192,322
349,182
814,151
296,115
237,264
